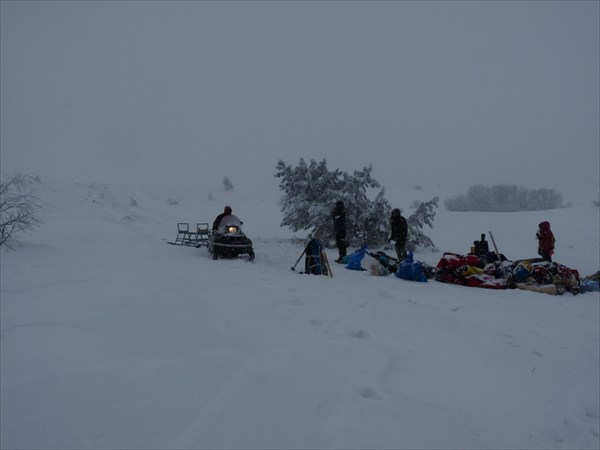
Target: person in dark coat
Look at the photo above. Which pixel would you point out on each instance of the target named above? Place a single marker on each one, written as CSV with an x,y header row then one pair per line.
x,y
226,212
480,248
399,232
545,241
339,226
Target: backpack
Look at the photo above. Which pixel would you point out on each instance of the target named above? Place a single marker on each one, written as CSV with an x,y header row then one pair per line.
x,y
313,263
480,248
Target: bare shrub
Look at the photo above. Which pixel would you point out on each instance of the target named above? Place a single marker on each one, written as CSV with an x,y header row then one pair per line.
x,y
19,205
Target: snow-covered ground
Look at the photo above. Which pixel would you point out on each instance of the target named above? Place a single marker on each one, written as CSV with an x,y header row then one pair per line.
x,y
110,338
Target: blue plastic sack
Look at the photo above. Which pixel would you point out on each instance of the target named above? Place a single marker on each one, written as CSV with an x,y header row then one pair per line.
x,y
590,286
355,259
411,270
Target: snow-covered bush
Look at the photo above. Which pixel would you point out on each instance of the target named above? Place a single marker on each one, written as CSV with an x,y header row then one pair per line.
x,y
227,184
503,197
19,205
311,190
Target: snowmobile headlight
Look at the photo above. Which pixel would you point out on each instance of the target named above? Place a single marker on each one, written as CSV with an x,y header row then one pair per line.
x,y
231,229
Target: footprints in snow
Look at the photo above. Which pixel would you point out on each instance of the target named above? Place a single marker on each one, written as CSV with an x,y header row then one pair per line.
x,y
359,334
327,325
511,341
360,392
368,393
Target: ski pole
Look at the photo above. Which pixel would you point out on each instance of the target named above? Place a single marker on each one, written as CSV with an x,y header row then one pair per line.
x,y
299,258
498,254
327,264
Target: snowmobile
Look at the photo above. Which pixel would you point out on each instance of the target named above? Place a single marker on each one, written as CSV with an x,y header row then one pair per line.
x,y
229,241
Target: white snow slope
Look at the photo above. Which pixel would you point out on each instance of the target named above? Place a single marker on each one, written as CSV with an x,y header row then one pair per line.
x,y
110,338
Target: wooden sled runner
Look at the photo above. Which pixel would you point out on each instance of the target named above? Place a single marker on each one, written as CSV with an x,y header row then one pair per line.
x,y
543,288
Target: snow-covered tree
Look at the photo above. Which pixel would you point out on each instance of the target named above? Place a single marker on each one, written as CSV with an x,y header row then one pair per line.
x,y
18,206
376,222
423,215
311,190
544,198
368,220
227,184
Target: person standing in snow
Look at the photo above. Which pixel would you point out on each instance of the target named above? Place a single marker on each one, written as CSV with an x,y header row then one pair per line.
x,y
339,226
226,212
399,228
545,241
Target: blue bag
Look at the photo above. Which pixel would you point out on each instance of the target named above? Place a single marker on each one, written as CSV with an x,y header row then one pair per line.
x,y
411,270
590,285
520,273
355,259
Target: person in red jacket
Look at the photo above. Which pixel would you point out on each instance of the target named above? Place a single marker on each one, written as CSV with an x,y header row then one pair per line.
x,y
545,241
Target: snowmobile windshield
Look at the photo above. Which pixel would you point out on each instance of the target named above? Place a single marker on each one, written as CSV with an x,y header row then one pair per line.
x,y
228,221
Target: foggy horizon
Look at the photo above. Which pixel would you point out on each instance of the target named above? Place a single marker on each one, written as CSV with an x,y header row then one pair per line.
x,y
190,92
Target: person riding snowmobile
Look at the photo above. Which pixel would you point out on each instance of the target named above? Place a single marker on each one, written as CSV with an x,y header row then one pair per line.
x,y
226,212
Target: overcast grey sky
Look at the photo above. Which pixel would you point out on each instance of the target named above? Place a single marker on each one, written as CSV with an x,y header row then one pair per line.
x,y
425,91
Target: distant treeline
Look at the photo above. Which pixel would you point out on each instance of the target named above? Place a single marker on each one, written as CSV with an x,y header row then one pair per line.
x,y
504,198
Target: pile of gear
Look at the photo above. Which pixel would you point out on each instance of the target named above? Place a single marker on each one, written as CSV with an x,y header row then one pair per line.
x,y
482,268
492,272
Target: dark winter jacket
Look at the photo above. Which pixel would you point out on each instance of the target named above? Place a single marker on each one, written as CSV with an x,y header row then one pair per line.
x,y
339,219
226,212
399,227
218,220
